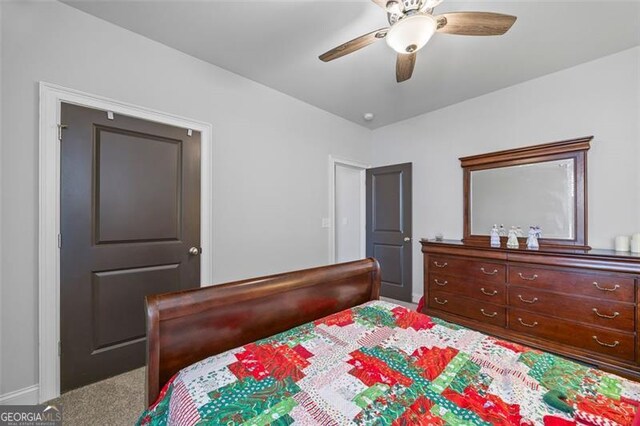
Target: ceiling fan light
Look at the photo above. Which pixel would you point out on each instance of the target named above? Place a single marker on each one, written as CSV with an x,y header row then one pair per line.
x,y
411,33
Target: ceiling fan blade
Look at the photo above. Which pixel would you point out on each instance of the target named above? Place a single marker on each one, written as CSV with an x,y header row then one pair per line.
x,y
353,45
475,23
404,66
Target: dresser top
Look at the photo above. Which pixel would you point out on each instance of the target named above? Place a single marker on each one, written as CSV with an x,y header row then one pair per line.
x,y
592,253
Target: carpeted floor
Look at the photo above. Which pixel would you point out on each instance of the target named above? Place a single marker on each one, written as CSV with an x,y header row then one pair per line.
x,y
409,305
115,401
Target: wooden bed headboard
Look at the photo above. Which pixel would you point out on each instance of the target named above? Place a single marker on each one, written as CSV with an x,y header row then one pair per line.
x,y
188,326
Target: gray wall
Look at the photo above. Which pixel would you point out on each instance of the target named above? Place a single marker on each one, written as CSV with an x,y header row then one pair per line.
x,y
270,153
600,98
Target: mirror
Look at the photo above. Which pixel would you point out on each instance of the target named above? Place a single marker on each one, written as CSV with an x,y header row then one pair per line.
x,y
540,194
542,185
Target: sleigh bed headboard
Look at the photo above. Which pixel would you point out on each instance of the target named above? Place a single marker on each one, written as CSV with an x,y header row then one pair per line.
x,y
188,326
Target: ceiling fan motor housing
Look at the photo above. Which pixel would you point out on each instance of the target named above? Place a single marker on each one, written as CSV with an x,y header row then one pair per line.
x,y
411,4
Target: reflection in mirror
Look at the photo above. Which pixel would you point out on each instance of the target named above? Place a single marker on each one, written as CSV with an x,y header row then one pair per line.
x,y
531,194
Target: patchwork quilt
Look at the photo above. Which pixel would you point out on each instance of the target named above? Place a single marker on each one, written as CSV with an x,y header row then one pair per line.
x,y
382,364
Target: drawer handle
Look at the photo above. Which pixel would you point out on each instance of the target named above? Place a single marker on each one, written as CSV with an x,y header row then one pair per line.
x,y
609,345
615,287
534,300
441,284
488,315
440,265
615,314
527,278
444,302
493,293
528,325
495,271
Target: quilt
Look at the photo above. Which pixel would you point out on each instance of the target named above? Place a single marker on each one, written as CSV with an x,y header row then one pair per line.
x,y
383,364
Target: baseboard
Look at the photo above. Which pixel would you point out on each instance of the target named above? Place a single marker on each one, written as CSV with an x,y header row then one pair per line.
x,y
415,297
24,396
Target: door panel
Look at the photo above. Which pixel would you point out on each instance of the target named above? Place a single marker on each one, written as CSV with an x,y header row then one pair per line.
x,y
135,171
389,227
118,302
130,211
387,201
392,256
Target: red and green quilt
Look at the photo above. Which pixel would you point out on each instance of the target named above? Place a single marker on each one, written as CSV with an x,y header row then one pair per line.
x,y
382,364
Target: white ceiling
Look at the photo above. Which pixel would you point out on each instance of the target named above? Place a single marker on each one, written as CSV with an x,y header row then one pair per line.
x,y
277,43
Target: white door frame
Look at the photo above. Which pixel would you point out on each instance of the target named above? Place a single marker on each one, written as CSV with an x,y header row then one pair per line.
x,y
332,204
51,97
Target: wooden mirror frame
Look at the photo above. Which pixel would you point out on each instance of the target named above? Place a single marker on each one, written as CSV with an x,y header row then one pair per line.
x,y
575,149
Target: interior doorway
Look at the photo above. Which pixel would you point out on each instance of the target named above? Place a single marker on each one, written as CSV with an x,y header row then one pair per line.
x,y
347,210
50,240
389,224
130,227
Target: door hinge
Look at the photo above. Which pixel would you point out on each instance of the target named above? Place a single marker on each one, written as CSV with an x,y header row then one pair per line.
x,y
59,241
61,127
59,348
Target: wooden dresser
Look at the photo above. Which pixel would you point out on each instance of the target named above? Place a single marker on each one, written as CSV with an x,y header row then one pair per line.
x,y
581,304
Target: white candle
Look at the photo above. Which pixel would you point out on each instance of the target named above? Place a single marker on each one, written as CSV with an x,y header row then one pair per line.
x,y
622,243
635,243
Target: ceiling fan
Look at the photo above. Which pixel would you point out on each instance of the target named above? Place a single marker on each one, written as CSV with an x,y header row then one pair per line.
x,y
412,24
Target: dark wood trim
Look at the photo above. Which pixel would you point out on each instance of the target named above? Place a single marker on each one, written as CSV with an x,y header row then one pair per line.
x,y
561,147
188,326
575,149
152,384
602,259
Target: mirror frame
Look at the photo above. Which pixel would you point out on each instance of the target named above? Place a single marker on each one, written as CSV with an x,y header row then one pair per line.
x,y
575,149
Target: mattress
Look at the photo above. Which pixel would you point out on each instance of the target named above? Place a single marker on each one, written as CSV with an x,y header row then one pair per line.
x,y
383,364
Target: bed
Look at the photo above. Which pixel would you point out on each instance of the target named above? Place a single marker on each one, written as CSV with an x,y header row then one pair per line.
x,y
318,347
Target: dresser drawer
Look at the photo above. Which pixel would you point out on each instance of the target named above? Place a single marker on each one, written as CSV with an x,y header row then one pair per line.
x,y
608,342
604,313
610,287
469,269
470,308
486,291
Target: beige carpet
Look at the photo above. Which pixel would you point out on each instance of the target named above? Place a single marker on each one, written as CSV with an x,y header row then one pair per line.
x,y
409,305
115,401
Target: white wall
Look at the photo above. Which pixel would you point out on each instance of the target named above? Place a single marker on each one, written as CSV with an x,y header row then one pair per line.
x,y
600,98
270,153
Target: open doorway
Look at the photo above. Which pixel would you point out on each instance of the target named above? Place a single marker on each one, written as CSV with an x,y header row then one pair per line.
x,y
347,210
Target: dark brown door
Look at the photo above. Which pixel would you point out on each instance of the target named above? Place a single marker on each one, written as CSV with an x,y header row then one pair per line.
x,y
389,227
130,212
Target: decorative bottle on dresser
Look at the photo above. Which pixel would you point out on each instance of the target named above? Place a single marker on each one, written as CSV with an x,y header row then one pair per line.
x,y
495,236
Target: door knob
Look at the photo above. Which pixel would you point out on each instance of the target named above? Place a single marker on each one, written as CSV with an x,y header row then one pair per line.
x,y
194,251
407,239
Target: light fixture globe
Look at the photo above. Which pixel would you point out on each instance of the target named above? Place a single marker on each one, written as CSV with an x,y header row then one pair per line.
x,y
410,34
